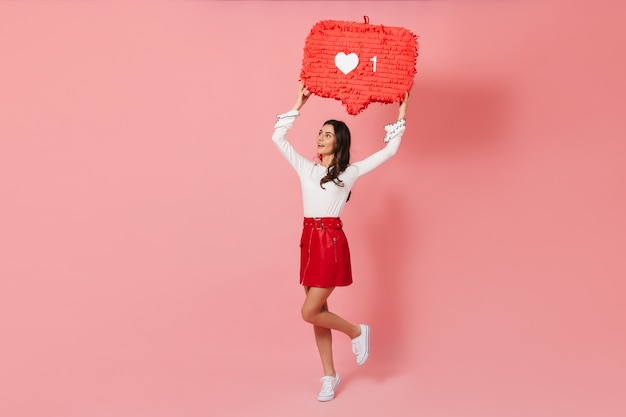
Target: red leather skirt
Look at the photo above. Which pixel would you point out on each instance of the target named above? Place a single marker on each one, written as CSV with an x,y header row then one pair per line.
x,y
324,253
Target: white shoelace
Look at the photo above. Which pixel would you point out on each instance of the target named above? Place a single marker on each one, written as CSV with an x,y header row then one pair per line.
x,y
327,386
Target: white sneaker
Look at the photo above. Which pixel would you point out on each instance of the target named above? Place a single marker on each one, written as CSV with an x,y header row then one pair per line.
x,y
329,385
361,344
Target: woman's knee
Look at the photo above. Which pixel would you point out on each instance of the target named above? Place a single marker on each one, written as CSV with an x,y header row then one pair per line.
x,y
308,314
315,304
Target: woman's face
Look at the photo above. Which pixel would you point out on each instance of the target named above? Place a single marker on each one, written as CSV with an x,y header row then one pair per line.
x,y
326,140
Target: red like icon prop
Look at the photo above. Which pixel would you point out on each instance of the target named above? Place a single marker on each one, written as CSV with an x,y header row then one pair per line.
x,y
359,63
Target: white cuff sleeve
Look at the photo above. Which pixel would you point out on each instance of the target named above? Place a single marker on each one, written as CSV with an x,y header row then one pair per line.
x,y
286,119
394,130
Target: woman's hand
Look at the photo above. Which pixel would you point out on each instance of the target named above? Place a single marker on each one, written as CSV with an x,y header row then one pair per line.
x,y
403,106
303,96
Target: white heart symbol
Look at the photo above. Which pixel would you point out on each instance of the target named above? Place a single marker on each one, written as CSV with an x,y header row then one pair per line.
x,y
346,63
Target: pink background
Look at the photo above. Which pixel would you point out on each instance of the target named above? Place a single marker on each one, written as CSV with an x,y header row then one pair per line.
x,y
149,228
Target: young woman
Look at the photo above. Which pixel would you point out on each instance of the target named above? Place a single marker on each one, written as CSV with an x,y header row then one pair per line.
x,y
324,253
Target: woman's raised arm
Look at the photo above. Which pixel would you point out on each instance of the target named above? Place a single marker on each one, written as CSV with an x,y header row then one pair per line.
x,y
303,96
403,106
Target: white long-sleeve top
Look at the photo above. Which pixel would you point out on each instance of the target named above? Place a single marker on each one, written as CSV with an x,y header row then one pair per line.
x,y
330,200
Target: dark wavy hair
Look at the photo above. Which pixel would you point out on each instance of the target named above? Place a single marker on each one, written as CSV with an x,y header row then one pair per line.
x,y
341,158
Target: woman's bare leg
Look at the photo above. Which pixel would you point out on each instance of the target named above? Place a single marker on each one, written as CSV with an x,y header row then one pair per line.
x,y
324,341
315,311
